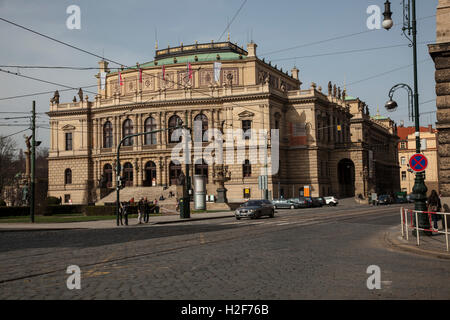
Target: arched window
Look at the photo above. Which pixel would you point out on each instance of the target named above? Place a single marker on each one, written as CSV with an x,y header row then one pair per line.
x,y
68,176
128,174
173,122
150,174
247,169
107,135
150,125
200,121
107,175
127,130
201,168
174,172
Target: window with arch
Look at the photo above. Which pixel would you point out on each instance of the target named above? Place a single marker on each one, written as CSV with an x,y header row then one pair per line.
x,y
68,176
128,174
247,169
107,135
173,122
201,118
127,130
107,176
150,125
201,168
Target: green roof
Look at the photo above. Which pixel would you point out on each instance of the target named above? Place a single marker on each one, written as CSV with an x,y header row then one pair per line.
x,y
349,98
190,58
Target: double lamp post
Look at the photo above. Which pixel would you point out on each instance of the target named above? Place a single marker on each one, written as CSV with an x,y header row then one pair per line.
x,y
410,28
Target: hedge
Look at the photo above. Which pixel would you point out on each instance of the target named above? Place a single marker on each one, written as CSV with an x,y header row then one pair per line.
x,y
14,211
64,209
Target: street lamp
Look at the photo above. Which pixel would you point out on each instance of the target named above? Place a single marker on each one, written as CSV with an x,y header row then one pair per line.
x,y
410,27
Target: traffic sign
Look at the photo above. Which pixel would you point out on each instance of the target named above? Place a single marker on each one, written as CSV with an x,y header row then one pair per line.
x,y
418,162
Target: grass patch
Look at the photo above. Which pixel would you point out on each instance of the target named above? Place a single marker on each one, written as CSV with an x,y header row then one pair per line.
x,y
63,218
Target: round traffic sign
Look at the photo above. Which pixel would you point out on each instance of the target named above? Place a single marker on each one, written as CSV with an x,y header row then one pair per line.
x,y
418,162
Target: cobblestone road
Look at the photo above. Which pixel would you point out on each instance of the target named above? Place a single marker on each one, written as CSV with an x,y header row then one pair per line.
x,y
300,254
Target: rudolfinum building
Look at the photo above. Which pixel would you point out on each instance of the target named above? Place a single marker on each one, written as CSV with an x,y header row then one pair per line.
x,y
328,143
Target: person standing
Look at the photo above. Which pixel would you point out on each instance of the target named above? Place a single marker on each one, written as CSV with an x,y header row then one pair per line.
x,y
120,213
146,210
126,211
434,205
141,209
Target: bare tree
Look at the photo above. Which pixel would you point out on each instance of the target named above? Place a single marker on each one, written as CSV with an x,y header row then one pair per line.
x,y
7,161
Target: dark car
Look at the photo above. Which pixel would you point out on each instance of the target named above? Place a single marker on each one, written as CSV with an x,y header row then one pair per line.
x,y
308,201
384,199
301,202
322,201
255,209
285,204
315,202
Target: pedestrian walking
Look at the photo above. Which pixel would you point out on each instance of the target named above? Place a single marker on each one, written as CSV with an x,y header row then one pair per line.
x,y
126,211
146,210
120,213
140,210
434,205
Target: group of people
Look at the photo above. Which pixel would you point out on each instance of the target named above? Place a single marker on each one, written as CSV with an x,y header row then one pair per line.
x,y
143,208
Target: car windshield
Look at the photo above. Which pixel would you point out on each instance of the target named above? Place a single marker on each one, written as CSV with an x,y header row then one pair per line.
x,y
252,203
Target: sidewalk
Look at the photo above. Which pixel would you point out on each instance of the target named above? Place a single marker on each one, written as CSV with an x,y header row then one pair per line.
x,y
106,224
433,246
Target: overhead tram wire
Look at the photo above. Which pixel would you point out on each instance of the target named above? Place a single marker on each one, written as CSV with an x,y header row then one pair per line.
x,y
13,134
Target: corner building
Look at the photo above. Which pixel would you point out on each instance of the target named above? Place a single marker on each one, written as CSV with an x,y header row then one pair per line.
x,y
329,144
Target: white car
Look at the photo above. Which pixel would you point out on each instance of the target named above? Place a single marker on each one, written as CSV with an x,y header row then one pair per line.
x,y
331,201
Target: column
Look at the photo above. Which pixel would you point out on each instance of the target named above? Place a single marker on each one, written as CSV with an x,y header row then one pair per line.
x,y
159,171
140,173
136,170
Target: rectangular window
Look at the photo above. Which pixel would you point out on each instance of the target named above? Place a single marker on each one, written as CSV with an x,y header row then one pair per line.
x,y
402,145
403,175
66,198
246,127
68,140
403,160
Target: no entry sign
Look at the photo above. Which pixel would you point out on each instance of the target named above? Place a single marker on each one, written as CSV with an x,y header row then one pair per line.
x,y
418,162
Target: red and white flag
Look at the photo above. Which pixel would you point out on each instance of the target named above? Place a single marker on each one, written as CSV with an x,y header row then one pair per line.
x,y
140,75
120,79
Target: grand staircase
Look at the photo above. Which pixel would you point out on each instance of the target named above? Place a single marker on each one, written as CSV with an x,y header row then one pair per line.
x,y
151,193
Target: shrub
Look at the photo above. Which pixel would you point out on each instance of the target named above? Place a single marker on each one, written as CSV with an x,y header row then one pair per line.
x,y
63,209
14,211
2,203
53,201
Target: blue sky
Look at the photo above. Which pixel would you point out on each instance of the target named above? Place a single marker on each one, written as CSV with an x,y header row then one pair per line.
x,y
125,31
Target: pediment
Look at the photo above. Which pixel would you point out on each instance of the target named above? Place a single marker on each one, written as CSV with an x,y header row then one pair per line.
x,y
68,127
246,114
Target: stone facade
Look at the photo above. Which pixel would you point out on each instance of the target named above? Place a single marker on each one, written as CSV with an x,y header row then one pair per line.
x,y
407,148
440,52
328,142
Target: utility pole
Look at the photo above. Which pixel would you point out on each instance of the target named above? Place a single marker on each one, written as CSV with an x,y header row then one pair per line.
x,y
33,162
187,197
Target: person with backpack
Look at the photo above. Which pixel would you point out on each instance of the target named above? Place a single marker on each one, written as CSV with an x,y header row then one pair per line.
x,y
434,205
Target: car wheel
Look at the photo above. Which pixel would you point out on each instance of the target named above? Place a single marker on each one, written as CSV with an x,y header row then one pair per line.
x,y
272,214
237,218
292,207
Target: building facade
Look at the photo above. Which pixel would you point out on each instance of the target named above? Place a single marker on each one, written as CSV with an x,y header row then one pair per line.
x,y
328,143
407,148
440,52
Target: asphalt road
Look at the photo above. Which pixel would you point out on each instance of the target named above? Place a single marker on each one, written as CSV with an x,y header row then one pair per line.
x,y
320,253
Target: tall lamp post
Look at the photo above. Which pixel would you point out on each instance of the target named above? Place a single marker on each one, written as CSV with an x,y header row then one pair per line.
x,y
410,27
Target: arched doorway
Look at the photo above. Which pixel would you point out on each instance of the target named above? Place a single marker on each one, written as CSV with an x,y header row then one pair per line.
x,y
150,174
346,178
128,174
107,175
174,172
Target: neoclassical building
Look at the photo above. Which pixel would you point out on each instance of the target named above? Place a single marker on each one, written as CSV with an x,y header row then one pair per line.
x,y
328,143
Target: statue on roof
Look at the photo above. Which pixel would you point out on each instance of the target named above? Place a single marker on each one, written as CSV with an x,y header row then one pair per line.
x,y
339,93
74,99
55,98
334,91
344,94
80,94
330,88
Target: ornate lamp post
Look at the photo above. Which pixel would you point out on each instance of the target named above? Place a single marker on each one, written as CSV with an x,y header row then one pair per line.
x,y
410,27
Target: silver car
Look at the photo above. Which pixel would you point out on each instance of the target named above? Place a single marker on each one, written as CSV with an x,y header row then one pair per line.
x,y
254,209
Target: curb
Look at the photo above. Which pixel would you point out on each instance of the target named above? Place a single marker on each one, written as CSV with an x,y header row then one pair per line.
x,y
392,241
195,219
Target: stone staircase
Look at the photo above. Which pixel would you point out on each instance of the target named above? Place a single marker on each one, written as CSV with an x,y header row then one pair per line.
x,y
137,193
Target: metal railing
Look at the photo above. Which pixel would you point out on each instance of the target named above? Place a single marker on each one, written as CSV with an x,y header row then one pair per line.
x,y
413,217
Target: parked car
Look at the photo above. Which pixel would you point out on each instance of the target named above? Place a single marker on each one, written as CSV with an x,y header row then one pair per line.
x,y
255,209
315,202
331,201
301,202
384,199
400,199
409,198
308,201
285,204
322,201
